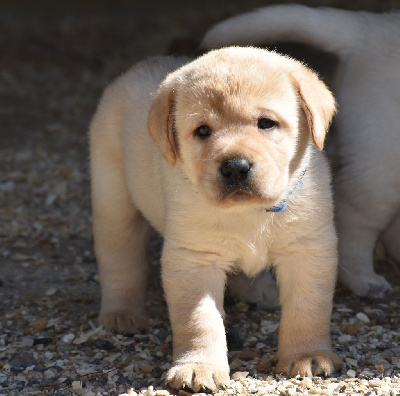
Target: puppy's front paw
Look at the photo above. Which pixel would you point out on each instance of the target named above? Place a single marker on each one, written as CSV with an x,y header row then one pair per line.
x,y
124,322
197,376
309,364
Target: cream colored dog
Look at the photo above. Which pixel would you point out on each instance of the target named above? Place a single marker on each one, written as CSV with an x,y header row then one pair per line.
x,y
367,86
221,156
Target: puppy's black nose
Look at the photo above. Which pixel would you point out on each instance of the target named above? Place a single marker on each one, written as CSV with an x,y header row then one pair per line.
x,y
235,170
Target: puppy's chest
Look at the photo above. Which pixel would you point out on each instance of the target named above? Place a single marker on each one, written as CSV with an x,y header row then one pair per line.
x,y
253,251
244,241
251,243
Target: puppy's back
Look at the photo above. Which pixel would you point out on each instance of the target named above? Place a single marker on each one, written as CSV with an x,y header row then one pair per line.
x,y
119,135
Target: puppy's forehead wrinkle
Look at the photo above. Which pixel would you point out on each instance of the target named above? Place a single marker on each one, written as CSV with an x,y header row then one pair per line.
x,y
228,78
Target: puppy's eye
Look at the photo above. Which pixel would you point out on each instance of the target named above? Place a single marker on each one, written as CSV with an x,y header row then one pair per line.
x,y
266,123
203,131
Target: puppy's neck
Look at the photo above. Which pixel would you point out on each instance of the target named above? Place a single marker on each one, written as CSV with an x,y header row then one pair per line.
x,y
281,207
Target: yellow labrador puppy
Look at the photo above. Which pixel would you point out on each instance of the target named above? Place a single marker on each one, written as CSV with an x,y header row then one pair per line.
x,y
221,156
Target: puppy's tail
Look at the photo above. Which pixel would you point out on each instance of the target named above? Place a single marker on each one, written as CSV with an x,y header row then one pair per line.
x,y
332,30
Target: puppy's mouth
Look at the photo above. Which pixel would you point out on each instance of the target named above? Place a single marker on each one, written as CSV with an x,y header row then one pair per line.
x,y
239,194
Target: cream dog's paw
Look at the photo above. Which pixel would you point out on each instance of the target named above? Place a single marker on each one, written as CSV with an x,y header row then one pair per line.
x,y
197,376
124,322
309,364
371,285
261,290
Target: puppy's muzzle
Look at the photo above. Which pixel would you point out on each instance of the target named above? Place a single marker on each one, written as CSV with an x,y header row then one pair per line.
x,y
235,172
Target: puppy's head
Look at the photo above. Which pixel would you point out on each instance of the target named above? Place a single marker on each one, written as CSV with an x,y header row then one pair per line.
x,y
239,121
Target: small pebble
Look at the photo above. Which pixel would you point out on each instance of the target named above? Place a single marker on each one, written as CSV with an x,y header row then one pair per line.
x,y
351,362
68,338
77,386
240,375
49,374
344,339
351,373
306,382
51,292
27,342
150,391
362,317
146,367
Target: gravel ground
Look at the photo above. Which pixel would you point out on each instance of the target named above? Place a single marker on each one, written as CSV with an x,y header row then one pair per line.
x,y
52,71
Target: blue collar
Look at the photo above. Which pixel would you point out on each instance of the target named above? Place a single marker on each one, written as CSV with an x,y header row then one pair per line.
x,y
282,206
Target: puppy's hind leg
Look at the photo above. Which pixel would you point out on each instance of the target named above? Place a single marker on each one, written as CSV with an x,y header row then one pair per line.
x,y
120,235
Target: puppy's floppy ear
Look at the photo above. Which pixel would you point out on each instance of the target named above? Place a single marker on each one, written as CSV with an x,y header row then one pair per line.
x,y
317,103
160,120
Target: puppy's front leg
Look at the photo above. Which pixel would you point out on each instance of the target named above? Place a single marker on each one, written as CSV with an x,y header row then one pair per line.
x,y
194,288
306,278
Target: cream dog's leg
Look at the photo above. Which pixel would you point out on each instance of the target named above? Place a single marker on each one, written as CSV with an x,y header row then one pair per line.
x,y
194,289
120,235
306,278
391,238
358,231
260,290
367,184
356,247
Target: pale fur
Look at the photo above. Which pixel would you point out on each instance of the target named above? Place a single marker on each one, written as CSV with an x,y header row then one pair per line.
x,y
174,185
367,87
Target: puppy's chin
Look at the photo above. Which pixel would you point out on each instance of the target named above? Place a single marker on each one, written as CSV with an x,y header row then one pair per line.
x,y
239,195
241,198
